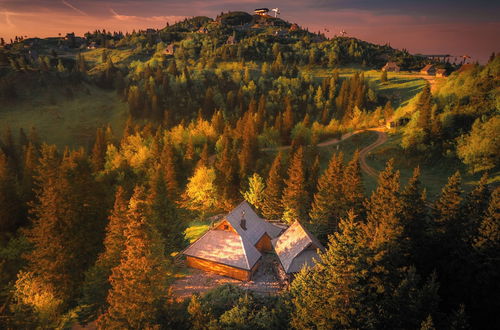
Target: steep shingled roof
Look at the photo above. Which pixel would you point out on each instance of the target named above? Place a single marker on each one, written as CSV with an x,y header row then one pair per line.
x,y
296,247
255,226
224,247
230,248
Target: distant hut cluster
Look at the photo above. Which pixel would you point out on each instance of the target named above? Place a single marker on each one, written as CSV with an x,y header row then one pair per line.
x,y
441,73
234,247
169,50
261,11
391,67
429,69
231,40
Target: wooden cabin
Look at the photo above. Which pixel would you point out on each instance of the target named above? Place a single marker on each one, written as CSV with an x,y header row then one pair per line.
x,y
235,245
441,73
296,248
261,11
170,50
429,69
231,40
391,67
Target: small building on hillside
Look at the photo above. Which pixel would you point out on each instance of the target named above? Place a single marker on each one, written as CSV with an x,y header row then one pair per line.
x,y
261,11
203,30
294,27
231,40
391,67
441,73
235,245
92,45
296,248
429,69
169,50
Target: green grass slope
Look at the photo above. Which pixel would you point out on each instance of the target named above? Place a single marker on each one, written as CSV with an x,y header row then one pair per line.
x,y
66,120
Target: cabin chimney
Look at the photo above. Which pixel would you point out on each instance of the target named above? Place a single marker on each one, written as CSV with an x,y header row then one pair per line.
x,y
243,222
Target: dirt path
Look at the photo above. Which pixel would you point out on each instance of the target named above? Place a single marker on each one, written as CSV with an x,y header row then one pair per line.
x,y
381,139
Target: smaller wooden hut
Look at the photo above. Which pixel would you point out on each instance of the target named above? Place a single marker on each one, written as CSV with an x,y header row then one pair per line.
x,y
295,248
170,50
441,73
429,69
391,67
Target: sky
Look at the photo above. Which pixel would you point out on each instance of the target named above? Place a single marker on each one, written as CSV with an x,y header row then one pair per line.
x,y
456,27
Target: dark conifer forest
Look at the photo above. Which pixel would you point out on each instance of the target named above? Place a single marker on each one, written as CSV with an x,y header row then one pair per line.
x,y
203,114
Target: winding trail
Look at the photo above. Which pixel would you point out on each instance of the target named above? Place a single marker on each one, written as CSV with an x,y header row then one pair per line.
x,y
381,139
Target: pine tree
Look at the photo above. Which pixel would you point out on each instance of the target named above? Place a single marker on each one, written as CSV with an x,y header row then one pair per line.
x,y
227,174
486,257
255,193
67,218
99,151
335,293
249,150
383,212
96,285
447,208
352,187
383,77
424,107
204,156
474,207
388,112
326,208
288,120
139,282
295,196
414,215
346,288
10,202
167,164
313,175
164,214
199,317
272,208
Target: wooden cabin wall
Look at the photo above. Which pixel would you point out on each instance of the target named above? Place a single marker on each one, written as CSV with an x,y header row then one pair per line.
x,y
237,273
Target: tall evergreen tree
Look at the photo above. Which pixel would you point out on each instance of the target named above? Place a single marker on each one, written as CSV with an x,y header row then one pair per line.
x,y
288,120
167,163
96,285
99,151
474,208
447,208
295,196
326,208
345,289
414,217
272,208
67,221
227,174
486,278
164,214
352,186
384,227
10,202
139,282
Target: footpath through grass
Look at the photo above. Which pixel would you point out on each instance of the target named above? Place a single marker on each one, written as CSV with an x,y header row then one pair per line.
x,y
434,173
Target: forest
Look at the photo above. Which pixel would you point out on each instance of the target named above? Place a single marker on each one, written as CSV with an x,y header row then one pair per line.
x,y
91,227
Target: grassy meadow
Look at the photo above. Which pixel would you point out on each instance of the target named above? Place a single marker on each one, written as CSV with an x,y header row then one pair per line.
x,y
66,120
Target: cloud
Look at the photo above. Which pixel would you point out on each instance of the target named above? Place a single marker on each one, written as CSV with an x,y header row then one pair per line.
x,y
67,4
8,21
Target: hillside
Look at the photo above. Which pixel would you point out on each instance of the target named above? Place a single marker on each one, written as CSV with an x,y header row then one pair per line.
x,y
247,147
